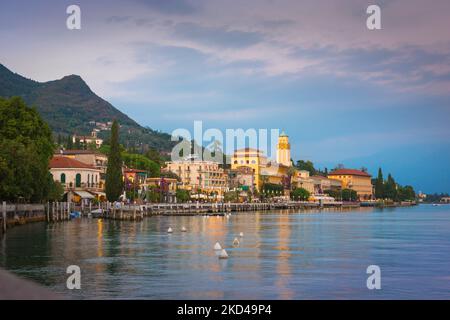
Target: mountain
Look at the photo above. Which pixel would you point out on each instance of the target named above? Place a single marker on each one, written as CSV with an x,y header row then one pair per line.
x,y
68,105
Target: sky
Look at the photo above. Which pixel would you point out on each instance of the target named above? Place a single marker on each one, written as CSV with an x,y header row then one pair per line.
x,y
343,93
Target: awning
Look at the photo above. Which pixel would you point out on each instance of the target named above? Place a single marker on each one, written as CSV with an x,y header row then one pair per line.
x,y
100,194
84,194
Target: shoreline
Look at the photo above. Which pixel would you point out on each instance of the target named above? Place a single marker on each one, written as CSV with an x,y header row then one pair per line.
x,y
20,214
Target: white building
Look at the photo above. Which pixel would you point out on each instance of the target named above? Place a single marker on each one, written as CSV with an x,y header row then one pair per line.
x,y
80,180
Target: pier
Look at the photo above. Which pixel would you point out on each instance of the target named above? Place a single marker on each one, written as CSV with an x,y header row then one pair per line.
x,y
18,214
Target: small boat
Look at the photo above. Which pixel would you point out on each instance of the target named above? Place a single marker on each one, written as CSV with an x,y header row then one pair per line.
x,y
75,215
96,213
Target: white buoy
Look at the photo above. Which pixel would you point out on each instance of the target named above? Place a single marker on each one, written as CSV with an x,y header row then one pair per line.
x,y
223,254
217,246
169,230
235,242
183,229
241,234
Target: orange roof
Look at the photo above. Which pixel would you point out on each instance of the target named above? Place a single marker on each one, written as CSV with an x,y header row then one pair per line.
x,y
349,172
65,162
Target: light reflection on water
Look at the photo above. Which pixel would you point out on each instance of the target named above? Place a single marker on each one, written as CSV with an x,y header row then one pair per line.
x,y
283,255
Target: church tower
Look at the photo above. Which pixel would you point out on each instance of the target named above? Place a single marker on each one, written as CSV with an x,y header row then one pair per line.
x,y
284,150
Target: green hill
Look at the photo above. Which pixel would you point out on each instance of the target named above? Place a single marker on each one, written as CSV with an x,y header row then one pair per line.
x,y
68,105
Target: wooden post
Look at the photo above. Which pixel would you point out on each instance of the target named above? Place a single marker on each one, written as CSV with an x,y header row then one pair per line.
x,y
48,211
68,210
4,216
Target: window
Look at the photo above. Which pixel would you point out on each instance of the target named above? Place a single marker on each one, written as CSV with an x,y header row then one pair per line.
x,y
253,161
63,178
235,162
78,180
88,180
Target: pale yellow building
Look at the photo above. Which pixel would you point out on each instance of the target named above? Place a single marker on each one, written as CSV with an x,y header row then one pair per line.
x,y
302,179
195,174
357,180
265,171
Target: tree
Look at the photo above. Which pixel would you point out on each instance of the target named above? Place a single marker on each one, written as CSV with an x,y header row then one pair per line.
x,y
300,194
379,185
114,179
69,144
231,196
138,161
349,195
406,193
390,188
182,195
77,144
333,193
306,165
26,146
155,156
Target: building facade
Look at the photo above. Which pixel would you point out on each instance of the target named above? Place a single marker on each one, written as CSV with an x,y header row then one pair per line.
x,y
200,176
89,157
80,180
357,180
92,139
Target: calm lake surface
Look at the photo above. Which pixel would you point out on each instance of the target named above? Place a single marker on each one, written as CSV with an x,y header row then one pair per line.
x,y
283,255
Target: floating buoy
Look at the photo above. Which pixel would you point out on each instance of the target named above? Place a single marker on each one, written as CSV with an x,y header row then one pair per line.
x,y
169,230
241,234
223,254
183,229
217,246
235,242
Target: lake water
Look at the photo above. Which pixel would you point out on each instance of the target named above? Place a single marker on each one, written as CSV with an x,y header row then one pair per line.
x,y
283,255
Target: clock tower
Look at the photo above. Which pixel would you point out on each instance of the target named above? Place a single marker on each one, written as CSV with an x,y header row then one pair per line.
x,y
284,150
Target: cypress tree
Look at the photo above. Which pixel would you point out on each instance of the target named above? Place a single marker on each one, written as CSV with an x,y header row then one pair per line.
x,y
390,188
69,142
379,185
114,182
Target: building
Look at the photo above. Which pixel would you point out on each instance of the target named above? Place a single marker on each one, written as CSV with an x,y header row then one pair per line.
x,y
265,171
134,176
241,177
357,180
91,157
81,181
322,184
445,200
301,179
284,150
166,186
200,176
92,139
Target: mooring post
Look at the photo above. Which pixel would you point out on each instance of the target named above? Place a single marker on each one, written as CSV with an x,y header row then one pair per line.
x,y
4,216
48,211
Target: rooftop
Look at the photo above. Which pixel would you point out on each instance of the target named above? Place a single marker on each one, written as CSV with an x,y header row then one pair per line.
x,y
65,162
349,172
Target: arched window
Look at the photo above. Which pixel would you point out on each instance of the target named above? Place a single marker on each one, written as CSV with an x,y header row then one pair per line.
x,y
78,180
63,178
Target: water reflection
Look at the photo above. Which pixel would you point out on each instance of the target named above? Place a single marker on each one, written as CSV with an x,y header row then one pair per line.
x,y
283,255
